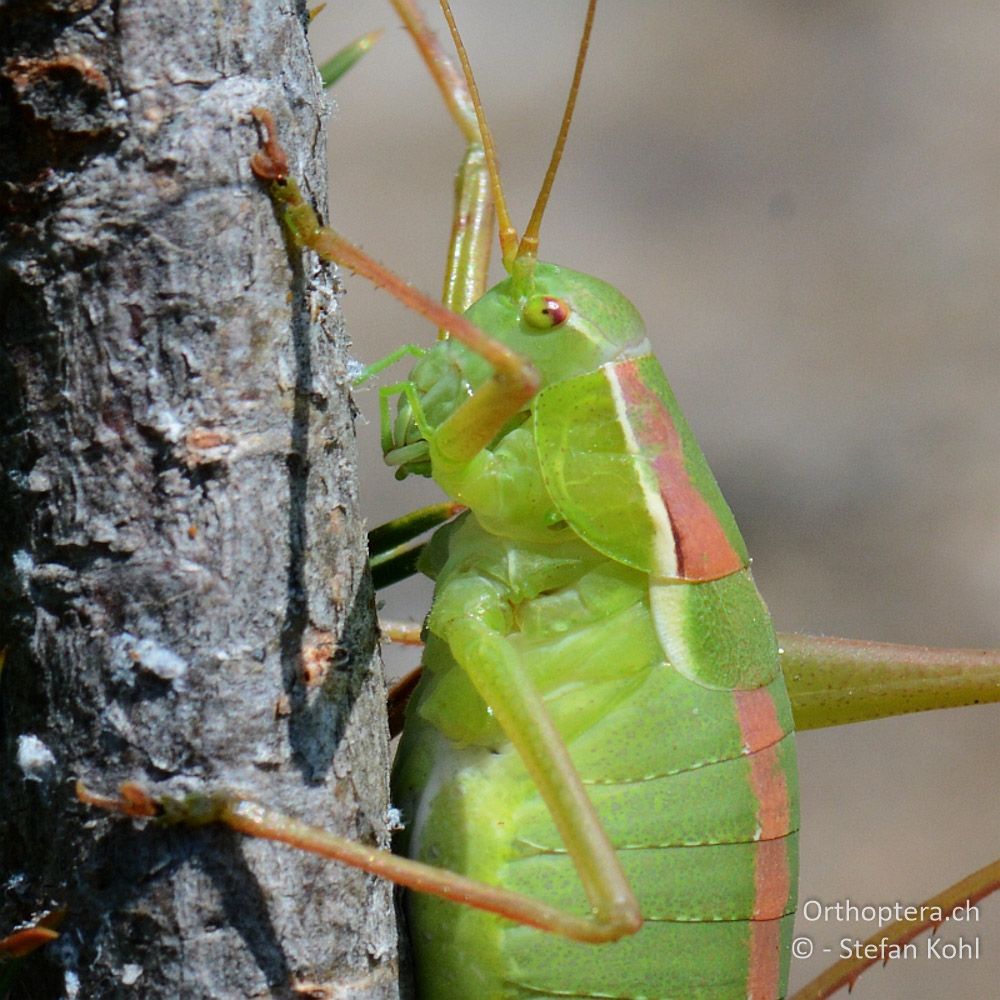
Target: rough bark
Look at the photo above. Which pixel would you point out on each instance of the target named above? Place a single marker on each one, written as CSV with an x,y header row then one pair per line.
x,y
182,593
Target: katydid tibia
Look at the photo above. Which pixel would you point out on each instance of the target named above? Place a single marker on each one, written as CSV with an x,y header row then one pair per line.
x,y
603,716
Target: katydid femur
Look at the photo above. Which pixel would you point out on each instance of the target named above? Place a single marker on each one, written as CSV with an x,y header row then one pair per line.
x,y
602,741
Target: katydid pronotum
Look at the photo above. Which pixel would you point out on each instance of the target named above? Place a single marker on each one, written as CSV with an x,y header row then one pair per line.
x,y
859,776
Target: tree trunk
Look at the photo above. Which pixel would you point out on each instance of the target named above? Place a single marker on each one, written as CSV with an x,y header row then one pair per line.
x,y
183,598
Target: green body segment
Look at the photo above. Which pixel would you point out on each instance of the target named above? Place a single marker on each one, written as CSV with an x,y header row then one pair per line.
x,y
666,691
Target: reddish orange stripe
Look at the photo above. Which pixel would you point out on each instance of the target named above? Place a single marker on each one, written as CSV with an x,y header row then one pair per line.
x,y
772,879
758,719
703,550
765,960
761,731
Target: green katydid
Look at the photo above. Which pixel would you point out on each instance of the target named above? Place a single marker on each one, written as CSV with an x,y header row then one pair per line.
x,y
623,584
731,160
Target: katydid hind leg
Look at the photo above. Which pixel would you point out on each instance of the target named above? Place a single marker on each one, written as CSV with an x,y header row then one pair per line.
x,y
833,681
248,816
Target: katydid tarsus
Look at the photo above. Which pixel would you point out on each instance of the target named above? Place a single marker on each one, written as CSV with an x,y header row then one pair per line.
x,y
860,779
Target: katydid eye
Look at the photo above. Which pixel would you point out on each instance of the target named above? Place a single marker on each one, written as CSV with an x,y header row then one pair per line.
x,y
545,312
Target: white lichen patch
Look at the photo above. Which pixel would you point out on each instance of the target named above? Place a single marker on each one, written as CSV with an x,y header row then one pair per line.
x,y
166,423
34,758
23,566
131,652
72,983
131,974
159,660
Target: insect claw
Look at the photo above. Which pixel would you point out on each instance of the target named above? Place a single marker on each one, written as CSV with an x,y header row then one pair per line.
x,y
270,162
132,800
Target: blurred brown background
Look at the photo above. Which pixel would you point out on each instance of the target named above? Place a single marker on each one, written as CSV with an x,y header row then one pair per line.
x,y
802,198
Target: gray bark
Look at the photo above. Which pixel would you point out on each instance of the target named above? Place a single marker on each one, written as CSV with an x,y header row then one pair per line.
x,y
182,592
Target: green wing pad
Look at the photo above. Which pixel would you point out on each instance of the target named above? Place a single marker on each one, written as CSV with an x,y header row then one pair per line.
x,y
596,484
718,633
624,470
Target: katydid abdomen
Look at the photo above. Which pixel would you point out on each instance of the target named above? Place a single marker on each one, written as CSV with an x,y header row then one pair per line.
x,y
691,770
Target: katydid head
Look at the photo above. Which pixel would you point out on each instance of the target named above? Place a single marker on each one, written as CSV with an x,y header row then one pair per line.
x,y
564,322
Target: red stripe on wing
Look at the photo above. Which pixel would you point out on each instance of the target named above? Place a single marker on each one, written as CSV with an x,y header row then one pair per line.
x,y
703,550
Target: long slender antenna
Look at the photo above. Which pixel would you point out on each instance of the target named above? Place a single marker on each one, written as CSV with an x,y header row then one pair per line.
x,y
508,234
529,242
